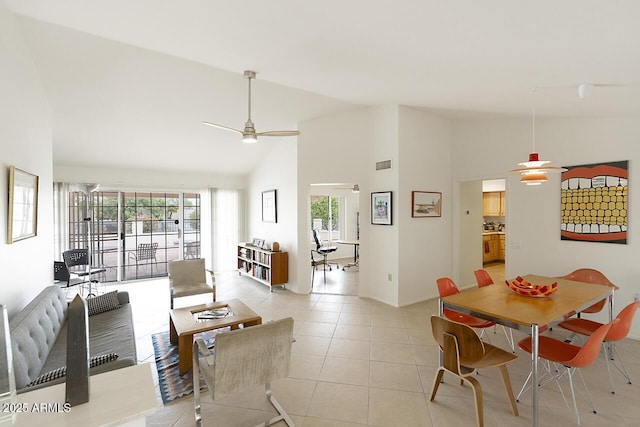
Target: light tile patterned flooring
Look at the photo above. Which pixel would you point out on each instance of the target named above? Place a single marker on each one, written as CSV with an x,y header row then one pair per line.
x,y
359,362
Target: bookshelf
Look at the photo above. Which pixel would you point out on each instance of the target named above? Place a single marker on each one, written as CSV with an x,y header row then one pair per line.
x,y
267,267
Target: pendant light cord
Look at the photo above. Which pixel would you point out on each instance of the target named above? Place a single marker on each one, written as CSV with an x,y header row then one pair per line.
x,y
534,120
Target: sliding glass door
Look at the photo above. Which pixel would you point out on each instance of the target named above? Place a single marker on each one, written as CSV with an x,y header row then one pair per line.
x,y
134,235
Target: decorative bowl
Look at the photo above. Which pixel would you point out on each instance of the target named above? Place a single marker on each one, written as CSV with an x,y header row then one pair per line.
x,y
521,287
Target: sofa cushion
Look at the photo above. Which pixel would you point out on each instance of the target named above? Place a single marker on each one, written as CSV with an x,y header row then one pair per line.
x,y
102,303
62,371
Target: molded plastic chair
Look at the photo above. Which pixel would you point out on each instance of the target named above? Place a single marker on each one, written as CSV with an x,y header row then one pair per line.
x,y
617,332
484,279
244,358
569,356
463,353
447,287
188,277
589,275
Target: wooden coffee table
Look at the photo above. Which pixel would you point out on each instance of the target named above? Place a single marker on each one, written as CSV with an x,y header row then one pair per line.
x,y
184,322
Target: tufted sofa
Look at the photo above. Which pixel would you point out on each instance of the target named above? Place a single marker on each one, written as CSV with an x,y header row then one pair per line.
x,y
39,337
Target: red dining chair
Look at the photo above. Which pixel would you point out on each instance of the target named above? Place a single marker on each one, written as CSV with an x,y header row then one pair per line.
x,y
589,275
447,287
571,357
617,332
484,279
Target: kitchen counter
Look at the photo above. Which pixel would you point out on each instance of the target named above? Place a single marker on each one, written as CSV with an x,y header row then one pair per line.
x,y
490,232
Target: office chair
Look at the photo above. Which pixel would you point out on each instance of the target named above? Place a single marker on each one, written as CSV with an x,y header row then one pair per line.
x,y
324,252
77,263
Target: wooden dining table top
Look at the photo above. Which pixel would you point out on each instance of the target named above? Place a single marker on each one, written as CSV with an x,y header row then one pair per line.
x,y
497,302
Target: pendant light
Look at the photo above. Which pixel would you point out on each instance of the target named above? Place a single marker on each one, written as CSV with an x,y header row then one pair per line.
x,y
534,171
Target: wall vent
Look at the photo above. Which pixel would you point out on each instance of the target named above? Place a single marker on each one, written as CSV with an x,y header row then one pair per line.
x,y
386,164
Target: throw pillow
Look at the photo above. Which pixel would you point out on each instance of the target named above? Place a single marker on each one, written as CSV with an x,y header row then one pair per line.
x,y
62,371
102,303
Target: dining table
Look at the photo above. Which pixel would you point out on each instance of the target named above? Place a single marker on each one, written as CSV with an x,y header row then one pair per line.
x,y
501,305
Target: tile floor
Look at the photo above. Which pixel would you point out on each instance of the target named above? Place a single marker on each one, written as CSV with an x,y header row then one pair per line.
x,y
357,362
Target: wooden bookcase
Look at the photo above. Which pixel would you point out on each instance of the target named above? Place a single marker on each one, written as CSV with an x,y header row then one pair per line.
x,y
263,265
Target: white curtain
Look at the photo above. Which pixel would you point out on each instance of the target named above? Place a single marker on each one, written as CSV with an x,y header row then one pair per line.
x,y
60,219
228,226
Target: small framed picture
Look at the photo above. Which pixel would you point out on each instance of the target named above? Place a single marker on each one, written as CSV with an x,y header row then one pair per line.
x,y
258,243
381,208
269,212
425,204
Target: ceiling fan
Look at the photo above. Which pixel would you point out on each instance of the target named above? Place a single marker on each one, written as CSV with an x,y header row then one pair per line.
x,y
249,134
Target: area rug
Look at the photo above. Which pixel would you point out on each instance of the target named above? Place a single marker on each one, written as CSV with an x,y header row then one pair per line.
x,y
172,384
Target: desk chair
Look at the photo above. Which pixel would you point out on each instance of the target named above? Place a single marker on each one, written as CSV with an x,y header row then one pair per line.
x,y
324,252
77,263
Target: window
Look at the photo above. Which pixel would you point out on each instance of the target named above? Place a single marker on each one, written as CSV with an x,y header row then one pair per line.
x,y
326,216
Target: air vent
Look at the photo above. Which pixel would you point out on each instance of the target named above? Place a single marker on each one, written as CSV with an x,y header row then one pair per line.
x,y
383,165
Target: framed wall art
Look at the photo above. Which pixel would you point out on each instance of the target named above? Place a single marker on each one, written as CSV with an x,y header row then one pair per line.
x,y
22,221
593,204
426,204
381,208
269,207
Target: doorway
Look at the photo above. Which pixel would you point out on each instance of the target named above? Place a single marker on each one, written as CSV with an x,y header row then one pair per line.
x,y
334,215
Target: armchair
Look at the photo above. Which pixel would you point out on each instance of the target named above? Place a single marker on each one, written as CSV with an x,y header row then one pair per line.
x,y
188,277
242,359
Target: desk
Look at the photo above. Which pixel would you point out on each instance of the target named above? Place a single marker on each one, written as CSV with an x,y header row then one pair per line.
x,y
499,304
356,247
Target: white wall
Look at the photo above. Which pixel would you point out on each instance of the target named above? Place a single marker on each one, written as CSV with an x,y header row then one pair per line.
x,y
277,172
533,213
25,141
425,246
383,240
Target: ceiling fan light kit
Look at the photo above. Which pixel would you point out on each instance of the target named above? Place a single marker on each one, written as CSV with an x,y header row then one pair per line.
x,y
249,134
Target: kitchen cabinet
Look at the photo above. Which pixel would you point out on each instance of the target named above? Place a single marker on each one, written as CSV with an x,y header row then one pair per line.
x,y
493,247
493,203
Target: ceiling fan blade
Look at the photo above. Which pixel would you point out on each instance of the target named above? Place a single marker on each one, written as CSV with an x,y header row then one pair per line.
x,y
222,127
279,133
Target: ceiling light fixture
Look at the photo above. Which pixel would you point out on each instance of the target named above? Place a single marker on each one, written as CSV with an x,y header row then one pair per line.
x,y
584,90
534,171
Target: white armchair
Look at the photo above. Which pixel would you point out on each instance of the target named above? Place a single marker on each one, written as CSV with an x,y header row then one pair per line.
x,y
243,358
188,277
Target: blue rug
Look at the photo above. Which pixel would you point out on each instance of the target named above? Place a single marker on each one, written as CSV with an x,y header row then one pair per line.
x,y
172,384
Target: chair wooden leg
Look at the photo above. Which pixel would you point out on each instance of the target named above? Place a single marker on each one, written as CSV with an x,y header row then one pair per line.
x,y
507,385
436,382
477,394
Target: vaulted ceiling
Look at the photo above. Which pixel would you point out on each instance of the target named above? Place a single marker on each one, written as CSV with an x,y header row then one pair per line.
x,y
130,82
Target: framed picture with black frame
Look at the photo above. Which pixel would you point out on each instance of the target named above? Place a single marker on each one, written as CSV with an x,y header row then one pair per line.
x,y
381,208
269,206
